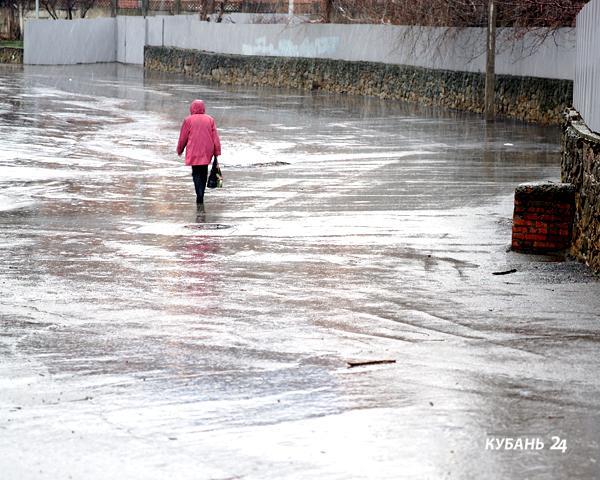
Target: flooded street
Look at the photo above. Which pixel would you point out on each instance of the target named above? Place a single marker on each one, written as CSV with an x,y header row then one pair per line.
x,y
143,339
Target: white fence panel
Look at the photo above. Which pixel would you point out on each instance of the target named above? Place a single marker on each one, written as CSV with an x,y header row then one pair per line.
x,y
131,38
586,93
66,42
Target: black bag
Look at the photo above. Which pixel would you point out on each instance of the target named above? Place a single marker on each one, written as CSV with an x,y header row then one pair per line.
x,y
215,179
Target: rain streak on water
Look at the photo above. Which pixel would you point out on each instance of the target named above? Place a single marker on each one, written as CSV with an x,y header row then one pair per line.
x,y
141,338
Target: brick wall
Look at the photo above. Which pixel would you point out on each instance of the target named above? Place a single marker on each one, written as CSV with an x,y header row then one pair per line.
x,y
543,217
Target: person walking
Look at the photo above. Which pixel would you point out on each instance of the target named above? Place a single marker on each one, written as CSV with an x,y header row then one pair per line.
x,y
200,139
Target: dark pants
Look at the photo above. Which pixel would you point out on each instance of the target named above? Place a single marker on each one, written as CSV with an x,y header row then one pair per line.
x,y
200,175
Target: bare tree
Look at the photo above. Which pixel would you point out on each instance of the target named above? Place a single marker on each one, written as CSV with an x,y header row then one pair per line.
x,y
490,63
51,7
326,8
457,13
207,8
16,16
539,19
69,7
85,6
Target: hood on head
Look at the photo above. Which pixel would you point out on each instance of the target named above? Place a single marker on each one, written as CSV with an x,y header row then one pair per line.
x,y
197,107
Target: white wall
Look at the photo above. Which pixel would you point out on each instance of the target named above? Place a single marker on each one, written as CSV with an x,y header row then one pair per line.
x,y
131,38
59,42
457,50
425,47
586,93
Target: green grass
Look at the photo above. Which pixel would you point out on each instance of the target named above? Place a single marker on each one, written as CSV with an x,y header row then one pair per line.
x,y
11,43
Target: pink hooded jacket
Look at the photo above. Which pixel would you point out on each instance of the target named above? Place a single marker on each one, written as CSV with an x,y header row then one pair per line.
x,y
198,136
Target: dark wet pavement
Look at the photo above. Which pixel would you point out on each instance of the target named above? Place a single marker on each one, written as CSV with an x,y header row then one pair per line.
x,y
141,338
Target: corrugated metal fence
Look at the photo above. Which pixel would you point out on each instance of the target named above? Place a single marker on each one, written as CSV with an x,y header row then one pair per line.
x,y
586,93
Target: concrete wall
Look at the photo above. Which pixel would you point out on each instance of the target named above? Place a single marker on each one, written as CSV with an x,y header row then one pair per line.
x,y
422,47
60,42
586,94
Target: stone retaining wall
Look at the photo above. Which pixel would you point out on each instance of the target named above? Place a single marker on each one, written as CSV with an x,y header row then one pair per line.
x,y
581,166
526,98
11,55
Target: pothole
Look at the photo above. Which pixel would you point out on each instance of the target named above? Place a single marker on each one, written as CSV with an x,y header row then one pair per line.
x,y
209,226
270,164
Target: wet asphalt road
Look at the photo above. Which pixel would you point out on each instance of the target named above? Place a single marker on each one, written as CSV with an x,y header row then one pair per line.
x,y
142,339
